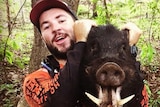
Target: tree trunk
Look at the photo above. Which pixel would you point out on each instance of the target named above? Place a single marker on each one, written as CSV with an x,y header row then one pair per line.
x,y
73,4
39,50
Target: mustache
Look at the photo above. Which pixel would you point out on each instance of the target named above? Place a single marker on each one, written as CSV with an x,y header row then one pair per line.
x,y
58,34
58,54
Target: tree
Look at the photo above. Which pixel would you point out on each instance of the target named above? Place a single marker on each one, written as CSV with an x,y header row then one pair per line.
x,y
39,50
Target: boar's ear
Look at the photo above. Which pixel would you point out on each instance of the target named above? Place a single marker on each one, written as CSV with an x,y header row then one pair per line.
x,y
126,33
133,47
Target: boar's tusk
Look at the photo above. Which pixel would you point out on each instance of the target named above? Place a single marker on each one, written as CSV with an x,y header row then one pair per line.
x,y
94,99
125,100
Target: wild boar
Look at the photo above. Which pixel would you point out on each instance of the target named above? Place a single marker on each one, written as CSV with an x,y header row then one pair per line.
x,y
112,77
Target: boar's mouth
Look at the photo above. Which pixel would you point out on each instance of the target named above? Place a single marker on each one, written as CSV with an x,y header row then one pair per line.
x,y
116,100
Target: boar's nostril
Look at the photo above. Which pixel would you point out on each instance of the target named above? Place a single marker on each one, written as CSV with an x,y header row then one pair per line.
x,y
117,73
110,74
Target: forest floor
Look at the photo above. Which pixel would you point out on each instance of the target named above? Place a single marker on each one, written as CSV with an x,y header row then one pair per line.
x,y
11,81
12,78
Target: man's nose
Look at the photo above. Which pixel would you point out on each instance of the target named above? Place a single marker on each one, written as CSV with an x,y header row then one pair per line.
x,y
56,26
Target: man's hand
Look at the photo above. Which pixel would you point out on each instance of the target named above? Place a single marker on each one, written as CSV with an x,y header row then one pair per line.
x,y
134,32
82,28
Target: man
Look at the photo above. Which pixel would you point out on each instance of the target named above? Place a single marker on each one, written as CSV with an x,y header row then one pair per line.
x,y
56,84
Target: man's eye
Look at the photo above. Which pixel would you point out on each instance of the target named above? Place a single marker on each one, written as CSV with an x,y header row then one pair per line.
x,y
62,21
45,27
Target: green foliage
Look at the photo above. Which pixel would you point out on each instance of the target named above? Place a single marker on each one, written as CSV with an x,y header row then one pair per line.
x,y
147,54
15,47
83,10
14,50
147,88
101,19
0,29
154,102
8,90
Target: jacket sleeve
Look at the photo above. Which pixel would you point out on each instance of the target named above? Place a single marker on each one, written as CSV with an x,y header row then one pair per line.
x,y
62,90
70,75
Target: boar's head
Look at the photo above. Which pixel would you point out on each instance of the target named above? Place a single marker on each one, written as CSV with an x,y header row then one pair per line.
x,y
112,77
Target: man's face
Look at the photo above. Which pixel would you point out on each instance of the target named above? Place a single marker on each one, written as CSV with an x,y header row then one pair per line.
x,y
56,27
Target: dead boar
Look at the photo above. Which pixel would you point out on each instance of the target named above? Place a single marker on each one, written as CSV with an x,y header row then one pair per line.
x,y
112,77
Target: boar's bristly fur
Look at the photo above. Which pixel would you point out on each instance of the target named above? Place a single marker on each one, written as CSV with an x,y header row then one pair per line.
x,y
108,64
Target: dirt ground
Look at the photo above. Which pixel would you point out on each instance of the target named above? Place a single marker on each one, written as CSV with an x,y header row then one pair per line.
x,y
153,80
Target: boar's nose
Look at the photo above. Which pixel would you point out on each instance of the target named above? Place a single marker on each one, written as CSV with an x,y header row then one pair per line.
x,y
110,74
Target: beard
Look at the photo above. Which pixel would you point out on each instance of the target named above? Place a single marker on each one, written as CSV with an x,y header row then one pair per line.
x,y
58,54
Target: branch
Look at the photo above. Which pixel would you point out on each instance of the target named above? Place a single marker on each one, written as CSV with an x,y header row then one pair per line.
x,y
11,28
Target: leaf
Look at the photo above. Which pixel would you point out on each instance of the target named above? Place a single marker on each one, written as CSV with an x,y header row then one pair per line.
x,y
147,53
150,53
15,45
9,56
158,92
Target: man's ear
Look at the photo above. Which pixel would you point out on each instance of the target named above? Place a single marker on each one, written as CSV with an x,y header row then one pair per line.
x,y
126,33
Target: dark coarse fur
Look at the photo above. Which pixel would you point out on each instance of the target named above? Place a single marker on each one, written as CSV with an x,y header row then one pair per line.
x,y
108,44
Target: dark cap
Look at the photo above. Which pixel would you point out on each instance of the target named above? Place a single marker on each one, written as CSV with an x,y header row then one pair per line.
x,y
43,5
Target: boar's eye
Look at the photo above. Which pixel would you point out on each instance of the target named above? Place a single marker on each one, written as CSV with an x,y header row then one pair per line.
x,y
123,47
94,48
122,51
88,69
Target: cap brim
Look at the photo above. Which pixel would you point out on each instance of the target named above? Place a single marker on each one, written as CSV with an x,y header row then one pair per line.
x,y
44,5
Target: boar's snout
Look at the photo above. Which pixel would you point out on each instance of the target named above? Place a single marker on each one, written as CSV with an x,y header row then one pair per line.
x,y
110,74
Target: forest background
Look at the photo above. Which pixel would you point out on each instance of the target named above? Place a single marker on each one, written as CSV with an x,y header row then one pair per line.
x,y
17,41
